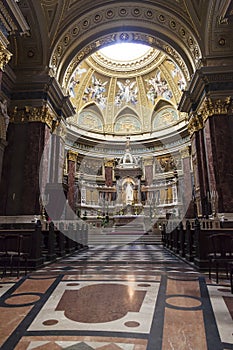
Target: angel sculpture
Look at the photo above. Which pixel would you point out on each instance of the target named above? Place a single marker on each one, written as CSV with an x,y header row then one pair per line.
x,y
4,113
126,92
98,88
73,81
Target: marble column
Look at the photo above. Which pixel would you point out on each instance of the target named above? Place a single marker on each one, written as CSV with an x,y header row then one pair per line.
x,y
148,166
108,166
72,159
212,141
20,185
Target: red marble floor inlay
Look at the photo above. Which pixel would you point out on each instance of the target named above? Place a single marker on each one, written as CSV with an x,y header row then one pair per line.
x,y
132,324
229,304
100,302
50,322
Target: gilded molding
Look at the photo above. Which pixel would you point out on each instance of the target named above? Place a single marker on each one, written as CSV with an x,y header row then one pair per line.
x,y
115,38
42,114
211,107
5,56
72,155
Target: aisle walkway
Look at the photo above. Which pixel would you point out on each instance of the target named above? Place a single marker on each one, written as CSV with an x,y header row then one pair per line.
x,y
134,297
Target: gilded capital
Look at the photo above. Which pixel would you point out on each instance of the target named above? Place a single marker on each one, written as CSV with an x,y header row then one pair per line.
x,y
42,114
109,163
5,56
195,123
72,155
211,107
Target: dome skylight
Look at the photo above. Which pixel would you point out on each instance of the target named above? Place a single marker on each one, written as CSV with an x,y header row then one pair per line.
x,y
125,51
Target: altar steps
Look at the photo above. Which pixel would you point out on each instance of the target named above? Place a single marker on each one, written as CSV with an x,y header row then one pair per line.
x,y
122,238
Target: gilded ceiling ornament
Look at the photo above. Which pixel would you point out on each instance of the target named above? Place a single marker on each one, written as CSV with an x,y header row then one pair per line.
x,y
114,39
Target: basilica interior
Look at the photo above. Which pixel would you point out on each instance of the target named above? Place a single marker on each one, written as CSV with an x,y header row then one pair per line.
x,y
116,131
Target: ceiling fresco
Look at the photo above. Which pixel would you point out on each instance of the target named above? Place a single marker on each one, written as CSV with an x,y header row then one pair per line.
x,y
127,97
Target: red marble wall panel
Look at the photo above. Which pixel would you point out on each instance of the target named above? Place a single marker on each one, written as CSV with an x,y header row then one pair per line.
x,y
221,159
108,176
148,174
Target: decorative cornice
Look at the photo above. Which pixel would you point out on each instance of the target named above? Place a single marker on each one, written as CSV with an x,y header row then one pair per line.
x,y
211,79
42,114
72,155
19,18
5,56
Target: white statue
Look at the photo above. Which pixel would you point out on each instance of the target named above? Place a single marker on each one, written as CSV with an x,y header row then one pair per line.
x,y
3,111
129,193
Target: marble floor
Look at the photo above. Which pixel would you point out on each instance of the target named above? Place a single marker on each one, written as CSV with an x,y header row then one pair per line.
x,y
133,297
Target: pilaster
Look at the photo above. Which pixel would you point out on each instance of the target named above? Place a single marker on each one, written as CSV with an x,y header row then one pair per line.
x,y
208,102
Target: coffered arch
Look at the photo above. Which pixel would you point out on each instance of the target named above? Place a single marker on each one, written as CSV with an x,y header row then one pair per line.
x,y
150,24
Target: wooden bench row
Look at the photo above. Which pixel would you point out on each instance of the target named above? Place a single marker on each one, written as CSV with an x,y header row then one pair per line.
x,y
40,245
190,242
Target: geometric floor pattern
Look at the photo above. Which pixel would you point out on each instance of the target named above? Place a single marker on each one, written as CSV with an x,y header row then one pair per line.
x,y
132,297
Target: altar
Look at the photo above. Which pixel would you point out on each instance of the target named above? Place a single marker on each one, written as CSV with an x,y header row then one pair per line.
x,y
121,220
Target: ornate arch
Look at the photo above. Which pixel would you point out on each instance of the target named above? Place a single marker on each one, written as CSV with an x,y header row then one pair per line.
x,y
148,24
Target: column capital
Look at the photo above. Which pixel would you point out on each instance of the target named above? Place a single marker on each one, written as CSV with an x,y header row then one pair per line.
x,y
72,155
109,163
195,123
214,106
43,114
